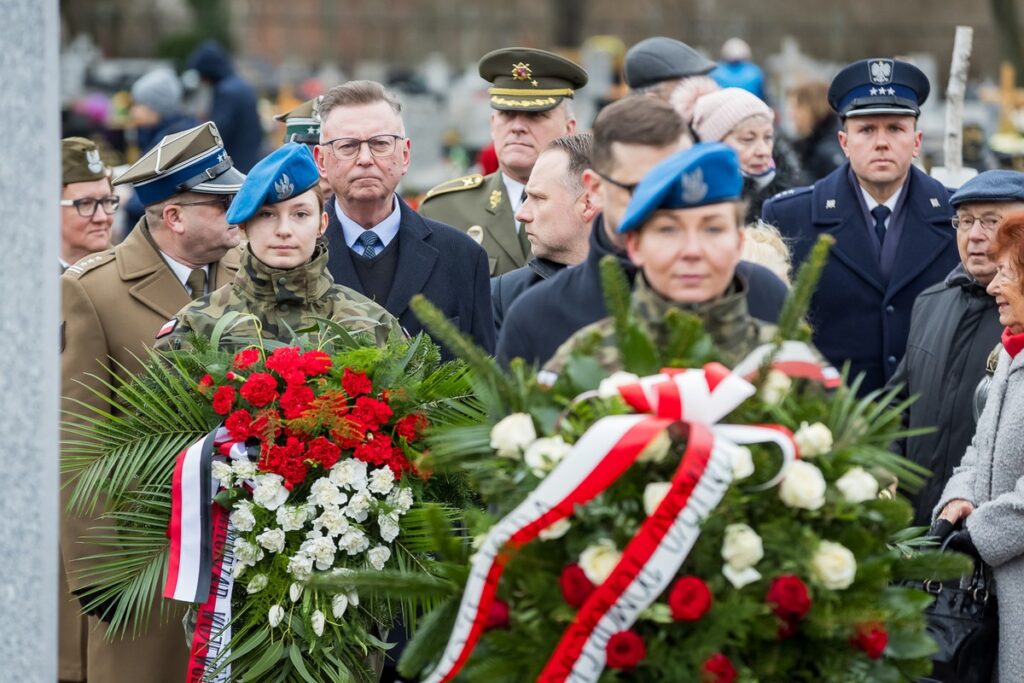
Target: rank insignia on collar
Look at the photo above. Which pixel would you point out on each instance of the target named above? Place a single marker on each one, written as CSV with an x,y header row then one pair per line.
x,y
830,203
935,203
521,71
495,199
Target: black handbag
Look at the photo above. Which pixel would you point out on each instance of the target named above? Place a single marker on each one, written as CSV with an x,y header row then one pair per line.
x,y
964,622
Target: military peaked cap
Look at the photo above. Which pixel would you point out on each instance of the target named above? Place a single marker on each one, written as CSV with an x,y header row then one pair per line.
x,y
879,86
525,79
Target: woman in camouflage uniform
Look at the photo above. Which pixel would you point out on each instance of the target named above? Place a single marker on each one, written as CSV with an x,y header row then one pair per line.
x,y
683,231
283,284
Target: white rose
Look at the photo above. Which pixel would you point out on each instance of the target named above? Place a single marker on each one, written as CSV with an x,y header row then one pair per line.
x,y
338,605
272,540
656,450
300,566
358,507
295,591
349,474
834,566
742,463
378,557
389,527
775,387
812,440
241,517
321,549
803,486
256,584
326,494
742,548
598,560
222,472
382,480
291,517
246,552
542,455
243,468
333,520
401,499
353,542
740,577
318,621
609,386
556,530
512,434
269,492
857,485
275,616
654,493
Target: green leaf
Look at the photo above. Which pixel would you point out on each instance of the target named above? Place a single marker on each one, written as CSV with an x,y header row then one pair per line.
x,y
271,656
910,645
430,639
300,666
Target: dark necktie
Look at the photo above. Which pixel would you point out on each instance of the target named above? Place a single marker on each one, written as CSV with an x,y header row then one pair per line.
x,y
197,283
524,241
370,243
880,212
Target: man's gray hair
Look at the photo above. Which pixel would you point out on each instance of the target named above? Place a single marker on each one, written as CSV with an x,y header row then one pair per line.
x,y
578,147
355,93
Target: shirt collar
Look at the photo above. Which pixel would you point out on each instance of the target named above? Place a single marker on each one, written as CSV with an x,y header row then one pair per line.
x,y
872,202
515,191
181,271
386,229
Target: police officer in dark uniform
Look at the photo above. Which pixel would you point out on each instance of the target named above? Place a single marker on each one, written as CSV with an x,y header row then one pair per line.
x,y
889,219
529,94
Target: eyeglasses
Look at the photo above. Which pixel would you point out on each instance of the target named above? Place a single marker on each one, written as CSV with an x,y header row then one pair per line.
x,y
86,206
349,148
988,223
616,183
224,201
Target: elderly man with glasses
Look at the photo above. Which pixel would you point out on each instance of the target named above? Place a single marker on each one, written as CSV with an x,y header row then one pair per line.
x,y
953,328
113,304
378,245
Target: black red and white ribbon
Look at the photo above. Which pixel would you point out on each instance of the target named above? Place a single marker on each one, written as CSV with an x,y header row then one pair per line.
x,y
697,398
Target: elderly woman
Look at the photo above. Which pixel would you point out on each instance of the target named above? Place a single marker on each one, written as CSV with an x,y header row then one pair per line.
x,y
283,283
744,122
986,491
683,231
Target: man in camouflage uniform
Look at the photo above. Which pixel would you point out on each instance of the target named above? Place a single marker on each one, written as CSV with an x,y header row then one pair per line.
x,y
112,304
530,94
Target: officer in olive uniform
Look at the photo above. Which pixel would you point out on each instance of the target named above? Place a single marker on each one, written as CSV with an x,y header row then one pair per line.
x,y
281,299
528,93
113,303
302,124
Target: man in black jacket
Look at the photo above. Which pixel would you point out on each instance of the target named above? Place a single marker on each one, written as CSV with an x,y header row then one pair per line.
x,y
630,137
954,326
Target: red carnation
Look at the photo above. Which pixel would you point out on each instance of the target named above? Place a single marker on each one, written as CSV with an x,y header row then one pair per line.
x,y
789,598
239,425
371,412
411,426
497,616
576,587
376,451
245,359
717,669
625,650
223,400
355,383
689,599
399,463
260,389
315,362
295,399
204,384
323,451
872,638
284,359
293,377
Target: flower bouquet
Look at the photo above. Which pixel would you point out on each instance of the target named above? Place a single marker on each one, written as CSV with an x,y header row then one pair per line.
x,y
291,463
697,523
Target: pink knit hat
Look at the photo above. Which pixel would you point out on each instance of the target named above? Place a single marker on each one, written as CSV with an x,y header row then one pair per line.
x,y
717,113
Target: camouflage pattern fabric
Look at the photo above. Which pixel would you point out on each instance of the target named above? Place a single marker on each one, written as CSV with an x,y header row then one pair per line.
x,y
281,301
726,319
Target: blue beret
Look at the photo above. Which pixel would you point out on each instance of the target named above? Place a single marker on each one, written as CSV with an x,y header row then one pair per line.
x,y
991,186
879,86
286,172
707,173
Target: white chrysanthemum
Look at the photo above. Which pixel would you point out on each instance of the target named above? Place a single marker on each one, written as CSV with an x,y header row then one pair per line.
x,y
246,552
857,485
333,520
318,621
803,486
654,493
544,454
300,566
326,494
358,507
349,474
272,540
389,527
270,492
812,440
353,542
243,468
556,530
275,616
599,559
291,517
512,434
241,517
378,556
321,549
256,584
382,480
609,386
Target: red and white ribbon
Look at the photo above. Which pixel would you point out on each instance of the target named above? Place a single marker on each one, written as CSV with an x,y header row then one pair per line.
x,y
698,398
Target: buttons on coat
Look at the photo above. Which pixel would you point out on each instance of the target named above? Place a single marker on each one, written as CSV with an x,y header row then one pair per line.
x,y
890,309
281,281
892,360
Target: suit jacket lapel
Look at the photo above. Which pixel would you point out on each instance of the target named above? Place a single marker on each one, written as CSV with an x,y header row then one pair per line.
x,y
416,259
835,209
225,269
339,257
502,228
926,230
157,287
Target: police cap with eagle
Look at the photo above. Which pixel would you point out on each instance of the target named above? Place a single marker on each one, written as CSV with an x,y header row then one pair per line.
x,y
879,86
193,160
302,124
525,79
286,172
707,173
80,161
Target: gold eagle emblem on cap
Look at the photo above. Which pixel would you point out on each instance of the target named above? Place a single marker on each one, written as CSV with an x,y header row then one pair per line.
x,y
521,71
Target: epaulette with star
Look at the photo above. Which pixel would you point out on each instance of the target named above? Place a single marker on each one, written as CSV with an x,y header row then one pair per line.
x,y
467,182
90,263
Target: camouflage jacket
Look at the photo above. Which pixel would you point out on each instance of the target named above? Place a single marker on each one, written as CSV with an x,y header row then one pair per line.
x,y
282,301
732,329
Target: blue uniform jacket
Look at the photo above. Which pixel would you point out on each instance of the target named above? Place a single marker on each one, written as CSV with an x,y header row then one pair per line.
x,y
856,315
434,259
